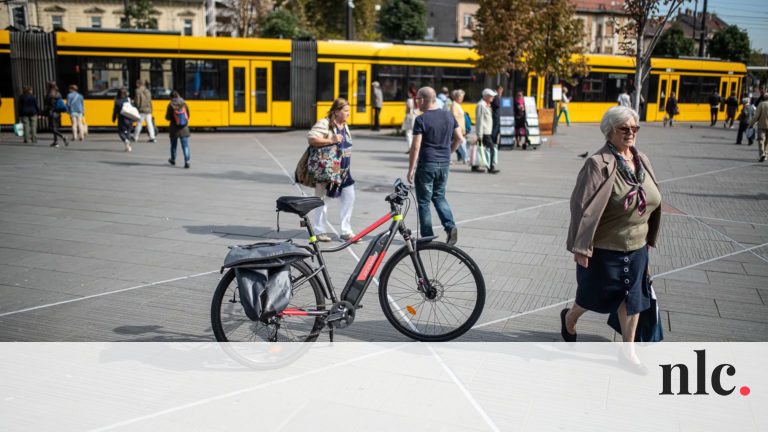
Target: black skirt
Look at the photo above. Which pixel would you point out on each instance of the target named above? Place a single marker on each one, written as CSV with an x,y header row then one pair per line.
x,y
611,277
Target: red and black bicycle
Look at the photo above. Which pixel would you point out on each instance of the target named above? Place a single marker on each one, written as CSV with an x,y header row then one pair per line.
x,y
428,290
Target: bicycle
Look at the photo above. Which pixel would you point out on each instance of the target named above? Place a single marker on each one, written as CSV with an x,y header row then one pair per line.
x,y
428,290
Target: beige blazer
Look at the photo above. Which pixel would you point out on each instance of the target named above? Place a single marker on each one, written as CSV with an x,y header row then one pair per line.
x,y
761,116
594,185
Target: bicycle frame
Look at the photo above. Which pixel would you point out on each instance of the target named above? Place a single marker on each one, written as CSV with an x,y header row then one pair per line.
x,y
361,278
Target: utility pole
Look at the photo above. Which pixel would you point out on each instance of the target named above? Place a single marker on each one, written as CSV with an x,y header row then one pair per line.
x,y
350,20
126,19
703,35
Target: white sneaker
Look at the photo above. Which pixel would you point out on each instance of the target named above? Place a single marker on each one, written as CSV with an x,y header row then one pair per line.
x,y
127,146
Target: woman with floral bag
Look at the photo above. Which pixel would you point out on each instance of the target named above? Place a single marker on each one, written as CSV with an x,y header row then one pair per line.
x,y
329,163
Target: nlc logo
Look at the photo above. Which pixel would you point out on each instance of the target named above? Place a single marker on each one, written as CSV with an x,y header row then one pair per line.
x,y
701,377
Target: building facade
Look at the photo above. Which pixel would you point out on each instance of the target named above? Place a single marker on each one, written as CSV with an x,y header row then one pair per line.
x,y
187,17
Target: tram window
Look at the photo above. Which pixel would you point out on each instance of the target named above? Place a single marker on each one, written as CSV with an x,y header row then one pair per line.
x,y
104,77
362,86
5,76
421,76
344,84
261,90
238,89
474,90
653,90
591,88
615,84
325,82
68,71
281,81
708,85
457,78
157,75
201,78
392,80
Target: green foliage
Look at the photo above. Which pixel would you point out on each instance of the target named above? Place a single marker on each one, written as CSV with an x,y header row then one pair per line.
x,y
140,15
327,19
730,43
282,23
403,19
529,36
674,43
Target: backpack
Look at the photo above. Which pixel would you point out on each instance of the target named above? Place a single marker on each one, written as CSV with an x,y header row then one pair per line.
x,y
180,116
60,106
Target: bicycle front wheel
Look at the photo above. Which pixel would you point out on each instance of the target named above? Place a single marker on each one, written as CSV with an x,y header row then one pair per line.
x,y
449,310
230,323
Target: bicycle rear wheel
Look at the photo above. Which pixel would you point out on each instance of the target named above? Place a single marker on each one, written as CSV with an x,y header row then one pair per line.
x,y
456,304
230,323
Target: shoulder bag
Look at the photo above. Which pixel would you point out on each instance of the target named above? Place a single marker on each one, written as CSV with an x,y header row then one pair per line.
x,y
301,175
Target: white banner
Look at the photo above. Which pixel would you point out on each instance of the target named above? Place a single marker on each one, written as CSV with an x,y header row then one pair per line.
x,y
384,386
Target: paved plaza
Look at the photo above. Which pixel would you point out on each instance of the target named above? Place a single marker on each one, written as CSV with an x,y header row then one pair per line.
x,y
101,245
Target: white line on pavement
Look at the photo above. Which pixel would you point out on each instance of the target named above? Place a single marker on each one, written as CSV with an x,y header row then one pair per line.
x,y
105,293
717,219
706,173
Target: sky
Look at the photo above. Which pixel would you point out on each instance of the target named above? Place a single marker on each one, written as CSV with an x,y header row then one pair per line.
x,y
749,15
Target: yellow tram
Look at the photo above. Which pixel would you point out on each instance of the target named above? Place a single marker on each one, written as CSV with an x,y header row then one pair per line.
x,y
246,82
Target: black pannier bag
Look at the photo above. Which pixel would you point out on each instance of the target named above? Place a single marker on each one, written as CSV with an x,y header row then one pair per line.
x,y
263,273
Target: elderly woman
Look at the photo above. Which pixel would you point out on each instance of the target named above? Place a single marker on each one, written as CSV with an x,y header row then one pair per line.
x,y
333,131
615,218
458,114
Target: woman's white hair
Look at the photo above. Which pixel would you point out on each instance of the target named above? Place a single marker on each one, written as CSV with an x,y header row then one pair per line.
x,y
616,116
456,93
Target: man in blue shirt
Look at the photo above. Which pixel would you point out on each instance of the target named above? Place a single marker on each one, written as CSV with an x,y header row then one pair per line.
x,y
436,135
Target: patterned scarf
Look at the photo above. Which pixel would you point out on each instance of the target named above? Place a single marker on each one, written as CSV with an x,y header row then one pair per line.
x,y
633,178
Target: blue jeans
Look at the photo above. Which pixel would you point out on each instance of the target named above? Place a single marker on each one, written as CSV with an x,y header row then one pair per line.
x,y
430,179
462,151
184,147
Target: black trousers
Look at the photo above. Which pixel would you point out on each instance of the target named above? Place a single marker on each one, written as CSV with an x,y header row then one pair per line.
x,y
376,113
740,134
713,115
491,145
55,120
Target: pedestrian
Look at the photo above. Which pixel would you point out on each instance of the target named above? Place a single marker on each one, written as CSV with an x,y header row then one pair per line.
x,y
411,111
495,115
76,110
378,98
436,135
178,116
731,106
458,114
441,98
144,105
332,130
745,118
124,124
446,98
624,99
615,218
714,104
54,106
521,122
564,107
761,119
671,109
28,111
484,130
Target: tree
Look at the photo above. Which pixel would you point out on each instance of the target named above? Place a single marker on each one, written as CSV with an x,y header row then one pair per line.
x,y
529,36
140,15
282,23
675,43
730,43
250,13
643,16
403,19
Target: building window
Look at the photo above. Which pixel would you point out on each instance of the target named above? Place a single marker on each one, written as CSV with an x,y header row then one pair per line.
x,y
56,21
609,29
18,13
96,22
467,20
187,27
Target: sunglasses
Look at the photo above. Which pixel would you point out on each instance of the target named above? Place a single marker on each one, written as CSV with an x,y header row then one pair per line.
x,y
627,129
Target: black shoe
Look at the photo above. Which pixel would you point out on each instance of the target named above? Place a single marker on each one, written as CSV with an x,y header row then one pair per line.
x,y
152,140
563,330
493,171
750,143
54,144
172,162
738,143
584,155
476,169
66,143
453,236
186,165
762,158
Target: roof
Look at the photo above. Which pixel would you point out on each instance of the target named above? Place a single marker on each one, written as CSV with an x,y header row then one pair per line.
x,y
599,5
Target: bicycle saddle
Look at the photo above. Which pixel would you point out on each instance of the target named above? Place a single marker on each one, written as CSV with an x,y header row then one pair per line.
x,y
298,205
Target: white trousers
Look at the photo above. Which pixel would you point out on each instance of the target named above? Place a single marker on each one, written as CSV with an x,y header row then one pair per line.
x,y
409,138
346,203
145,117
78,132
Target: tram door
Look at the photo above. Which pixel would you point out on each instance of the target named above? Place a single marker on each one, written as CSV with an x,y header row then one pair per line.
x,y
728,85
250,94
353,84
667,84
